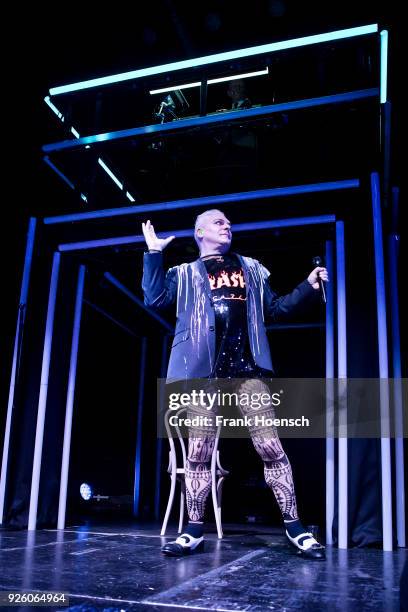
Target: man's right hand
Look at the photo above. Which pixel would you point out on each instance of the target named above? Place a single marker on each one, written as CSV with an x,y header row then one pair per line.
x,y
153,242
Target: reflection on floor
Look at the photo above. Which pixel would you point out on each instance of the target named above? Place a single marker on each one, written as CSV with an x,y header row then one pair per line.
x,y
119,567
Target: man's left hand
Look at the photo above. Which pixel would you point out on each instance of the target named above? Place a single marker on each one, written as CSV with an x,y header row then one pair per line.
x,y
316,274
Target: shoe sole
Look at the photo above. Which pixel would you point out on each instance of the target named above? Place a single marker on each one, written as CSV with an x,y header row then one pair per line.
x,y
305,554
184,552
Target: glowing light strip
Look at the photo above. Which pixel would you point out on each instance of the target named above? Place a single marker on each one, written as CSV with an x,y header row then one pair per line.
x,y
384,66
383,371
218,57
115,179
110,173
245,75
239,76
176,87
53,108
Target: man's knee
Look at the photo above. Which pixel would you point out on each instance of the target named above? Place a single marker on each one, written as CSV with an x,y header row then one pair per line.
x,y
200,450
269,448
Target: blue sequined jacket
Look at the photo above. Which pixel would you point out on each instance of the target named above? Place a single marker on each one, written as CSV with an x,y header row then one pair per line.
x,y
187,285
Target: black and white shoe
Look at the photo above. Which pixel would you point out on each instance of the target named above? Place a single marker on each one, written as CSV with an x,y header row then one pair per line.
x,y
307,546
184,545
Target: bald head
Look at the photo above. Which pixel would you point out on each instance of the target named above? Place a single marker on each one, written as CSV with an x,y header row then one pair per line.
x,y
212,232
200,219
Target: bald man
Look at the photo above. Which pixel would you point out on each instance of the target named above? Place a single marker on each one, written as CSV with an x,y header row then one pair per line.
x,y
223,301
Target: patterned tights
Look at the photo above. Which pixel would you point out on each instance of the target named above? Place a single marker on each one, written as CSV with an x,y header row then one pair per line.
x,y
277,469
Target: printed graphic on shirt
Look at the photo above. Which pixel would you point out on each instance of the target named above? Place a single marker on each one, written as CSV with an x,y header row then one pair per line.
x,y
226,278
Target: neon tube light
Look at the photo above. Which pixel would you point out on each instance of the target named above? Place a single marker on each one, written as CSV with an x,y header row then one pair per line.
x,y
110,173
384,66
245,75
218,57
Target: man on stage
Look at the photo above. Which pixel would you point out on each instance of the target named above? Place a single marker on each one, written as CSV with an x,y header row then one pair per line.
x,y
223,301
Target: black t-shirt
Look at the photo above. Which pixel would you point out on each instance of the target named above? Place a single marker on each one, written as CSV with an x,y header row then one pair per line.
x,y
227,282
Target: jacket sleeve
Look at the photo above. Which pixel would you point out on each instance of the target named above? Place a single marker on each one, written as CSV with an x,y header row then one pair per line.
x,y
159,289
282,308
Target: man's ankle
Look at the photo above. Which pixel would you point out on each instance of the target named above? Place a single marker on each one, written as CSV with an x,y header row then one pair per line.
x,y
294,528
195,528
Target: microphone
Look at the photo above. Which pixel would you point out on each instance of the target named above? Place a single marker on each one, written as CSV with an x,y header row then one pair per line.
x,y
318,261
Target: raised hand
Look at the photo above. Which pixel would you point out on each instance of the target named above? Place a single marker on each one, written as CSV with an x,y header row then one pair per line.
x,y
152,241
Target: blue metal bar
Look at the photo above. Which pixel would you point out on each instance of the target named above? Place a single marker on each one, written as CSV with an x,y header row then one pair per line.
x,y
69,409
137,301
217,118
393,244
218,57
42,401
16,355
136,490
25,283
329,395
60,174
159,441
386,150
342,387
241,227
383,65
386,490
341,300
244,196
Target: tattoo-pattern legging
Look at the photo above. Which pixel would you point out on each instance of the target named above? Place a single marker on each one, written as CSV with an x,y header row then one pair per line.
x,y
277,469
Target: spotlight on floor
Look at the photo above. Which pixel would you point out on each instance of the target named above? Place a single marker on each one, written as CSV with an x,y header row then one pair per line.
x,y
86,491
96,502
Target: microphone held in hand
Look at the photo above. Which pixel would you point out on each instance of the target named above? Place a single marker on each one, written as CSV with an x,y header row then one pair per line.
x,y
318,261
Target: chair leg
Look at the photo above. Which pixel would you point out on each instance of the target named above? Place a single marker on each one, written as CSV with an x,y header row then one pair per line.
x,y
219,494
182,502
217,513
171,499
214,492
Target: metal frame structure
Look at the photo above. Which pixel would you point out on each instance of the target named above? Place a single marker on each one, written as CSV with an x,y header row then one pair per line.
x,y
341,352
75,247
339,299
183,124
211,60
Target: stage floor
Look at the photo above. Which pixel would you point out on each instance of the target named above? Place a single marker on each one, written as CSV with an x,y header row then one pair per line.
x,y
120,567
